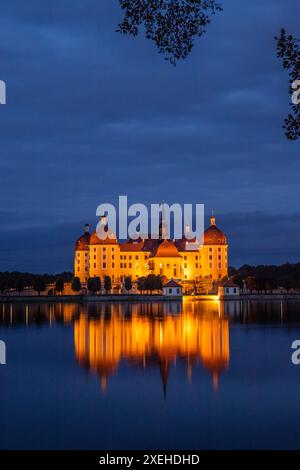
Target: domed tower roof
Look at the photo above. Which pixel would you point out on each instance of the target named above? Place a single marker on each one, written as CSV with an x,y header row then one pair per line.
x,y
109,240
110,237
167,249
83,241
213,235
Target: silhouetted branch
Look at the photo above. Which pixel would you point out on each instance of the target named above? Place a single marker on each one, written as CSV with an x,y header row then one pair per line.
x,y
288,49
171,24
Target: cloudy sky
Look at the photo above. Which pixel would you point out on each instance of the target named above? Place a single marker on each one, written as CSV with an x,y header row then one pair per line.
x,y
92,114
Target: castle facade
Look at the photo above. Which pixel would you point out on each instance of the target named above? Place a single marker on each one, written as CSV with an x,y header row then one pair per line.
x,y
183,260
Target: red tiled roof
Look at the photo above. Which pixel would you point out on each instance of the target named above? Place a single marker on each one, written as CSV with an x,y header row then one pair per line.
x,y
95,240
82,242
166,249
133,245
214,236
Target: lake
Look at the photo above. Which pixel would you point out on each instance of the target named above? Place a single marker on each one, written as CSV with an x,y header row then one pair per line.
x,y
169,375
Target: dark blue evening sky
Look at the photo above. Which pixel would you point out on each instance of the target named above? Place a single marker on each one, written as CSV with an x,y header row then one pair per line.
x,y
92,114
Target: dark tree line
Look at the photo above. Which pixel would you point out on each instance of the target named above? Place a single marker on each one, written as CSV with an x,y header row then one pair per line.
x,y
288,49
267,277
150,283
171,24
18,281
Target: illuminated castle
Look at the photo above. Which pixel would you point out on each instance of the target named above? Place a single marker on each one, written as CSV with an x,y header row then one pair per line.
x,y
183,260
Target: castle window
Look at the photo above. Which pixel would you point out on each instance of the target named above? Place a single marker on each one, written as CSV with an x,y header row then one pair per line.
x,y
145,256
210,257
220,265
219,257
95,257
210,241
219,249
130,257
196,257
185,265
210,249
210,265
121,265
196,265
130,265
113,248
113,265
104,256
125,265
104,265
124,256
136,257
104,248
95,265
113,257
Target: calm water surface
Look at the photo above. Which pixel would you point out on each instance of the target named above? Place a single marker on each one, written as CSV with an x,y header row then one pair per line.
x,y
196,375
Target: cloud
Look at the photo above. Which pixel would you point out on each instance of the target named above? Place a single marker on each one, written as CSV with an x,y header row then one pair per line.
x,y
92,114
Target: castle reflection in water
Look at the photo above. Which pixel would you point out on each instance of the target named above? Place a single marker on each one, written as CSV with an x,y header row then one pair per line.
x,y
150,335
146,335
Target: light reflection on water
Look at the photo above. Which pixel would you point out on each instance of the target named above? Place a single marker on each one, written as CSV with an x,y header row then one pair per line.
x,y
194,375
144,335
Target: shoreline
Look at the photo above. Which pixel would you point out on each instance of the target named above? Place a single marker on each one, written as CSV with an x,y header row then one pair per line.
x,y
143,298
